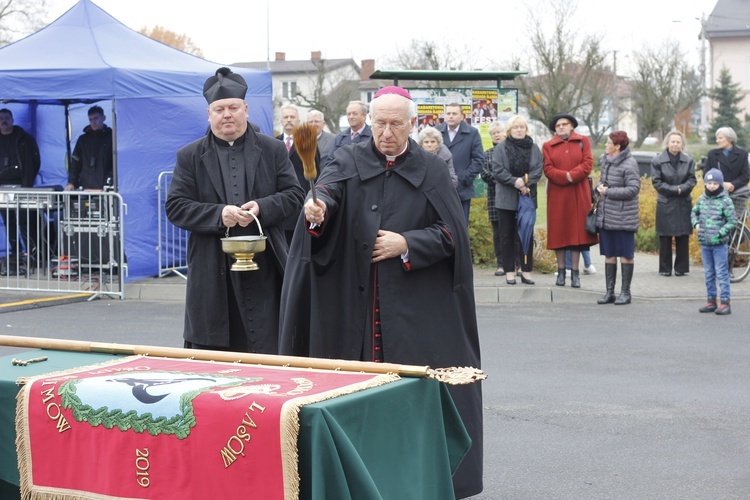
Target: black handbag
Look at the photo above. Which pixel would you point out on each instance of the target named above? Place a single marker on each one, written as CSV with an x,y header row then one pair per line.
x,y
590,225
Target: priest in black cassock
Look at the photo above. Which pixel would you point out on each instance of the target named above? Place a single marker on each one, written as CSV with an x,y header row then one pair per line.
x,y
217,182
380,269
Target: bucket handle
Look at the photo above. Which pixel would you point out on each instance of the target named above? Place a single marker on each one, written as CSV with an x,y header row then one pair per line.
x,y
257,221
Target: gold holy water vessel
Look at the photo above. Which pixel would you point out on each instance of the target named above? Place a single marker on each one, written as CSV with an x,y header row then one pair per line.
x,y
244,248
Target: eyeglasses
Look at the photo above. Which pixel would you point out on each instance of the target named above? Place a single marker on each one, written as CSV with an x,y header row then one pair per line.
x,y
392,126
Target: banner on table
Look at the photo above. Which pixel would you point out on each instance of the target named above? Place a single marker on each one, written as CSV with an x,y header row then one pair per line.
x,y
143,427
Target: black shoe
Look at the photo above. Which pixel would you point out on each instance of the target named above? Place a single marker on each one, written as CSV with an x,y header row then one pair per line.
x,y
724,308
527,281
677,273
510,282
669,274
499,272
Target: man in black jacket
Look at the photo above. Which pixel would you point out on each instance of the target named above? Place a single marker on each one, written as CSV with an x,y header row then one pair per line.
x,y
91,164
19,165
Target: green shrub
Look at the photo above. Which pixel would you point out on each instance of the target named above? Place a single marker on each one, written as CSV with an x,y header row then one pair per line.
x,y
480,233
646,241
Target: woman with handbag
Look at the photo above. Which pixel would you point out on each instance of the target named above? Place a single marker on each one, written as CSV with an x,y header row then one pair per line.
x,y
617,214
517,167
673,177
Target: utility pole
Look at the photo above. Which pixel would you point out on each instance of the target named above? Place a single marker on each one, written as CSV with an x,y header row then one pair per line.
x,y
703,125
615,114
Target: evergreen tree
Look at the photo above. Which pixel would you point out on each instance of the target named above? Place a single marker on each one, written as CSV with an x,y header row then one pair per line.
x,y
726,96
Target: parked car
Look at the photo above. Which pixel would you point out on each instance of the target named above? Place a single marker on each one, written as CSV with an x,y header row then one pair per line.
x,y
643,158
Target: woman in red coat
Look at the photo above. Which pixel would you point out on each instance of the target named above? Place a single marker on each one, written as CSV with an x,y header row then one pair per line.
x,y
567,165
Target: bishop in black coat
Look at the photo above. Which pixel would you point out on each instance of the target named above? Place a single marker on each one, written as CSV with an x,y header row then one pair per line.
x,y
336,303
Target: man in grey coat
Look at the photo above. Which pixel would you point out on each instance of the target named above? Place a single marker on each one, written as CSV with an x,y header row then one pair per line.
x,y
325,139
231,182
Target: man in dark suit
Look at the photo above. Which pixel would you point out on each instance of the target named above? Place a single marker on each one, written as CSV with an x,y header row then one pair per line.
x,y
358,130
290,121
468,155
325,139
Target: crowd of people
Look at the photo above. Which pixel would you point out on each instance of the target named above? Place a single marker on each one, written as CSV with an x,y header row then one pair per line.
x,y
390,221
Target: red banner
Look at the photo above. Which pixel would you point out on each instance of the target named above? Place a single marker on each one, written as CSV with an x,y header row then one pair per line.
x,y
144,427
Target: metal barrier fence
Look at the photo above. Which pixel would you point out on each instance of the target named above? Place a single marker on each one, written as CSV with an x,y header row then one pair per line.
x,y
172,246
63,241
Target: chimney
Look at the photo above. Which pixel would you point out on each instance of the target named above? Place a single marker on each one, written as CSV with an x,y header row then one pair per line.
x,y
315,55
367,68
280,56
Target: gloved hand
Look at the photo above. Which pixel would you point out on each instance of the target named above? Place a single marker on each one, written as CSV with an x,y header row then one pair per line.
x,y
716,240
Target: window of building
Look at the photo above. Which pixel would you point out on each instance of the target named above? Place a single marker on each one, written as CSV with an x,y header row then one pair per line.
x,y
289,90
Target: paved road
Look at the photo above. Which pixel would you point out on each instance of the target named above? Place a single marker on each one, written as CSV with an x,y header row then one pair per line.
x,y
583,401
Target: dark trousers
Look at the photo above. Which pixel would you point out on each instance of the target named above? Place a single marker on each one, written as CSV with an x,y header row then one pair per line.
x,y
682,254
466,205
510,244
28,227
497,242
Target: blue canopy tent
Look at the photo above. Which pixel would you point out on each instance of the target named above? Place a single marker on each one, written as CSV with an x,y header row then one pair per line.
x,y
150,93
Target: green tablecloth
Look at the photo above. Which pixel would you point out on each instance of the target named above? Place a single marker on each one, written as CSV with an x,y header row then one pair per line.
x,y
400,440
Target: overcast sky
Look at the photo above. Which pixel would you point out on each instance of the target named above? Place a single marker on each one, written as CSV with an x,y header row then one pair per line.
x,y
229,31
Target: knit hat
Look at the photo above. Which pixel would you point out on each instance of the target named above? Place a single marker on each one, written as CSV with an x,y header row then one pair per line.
x,y
714,175
224,85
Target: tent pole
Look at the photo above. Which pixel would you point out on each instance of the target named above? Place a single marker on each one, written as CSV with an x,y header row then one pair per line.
x,y
115,184
67,136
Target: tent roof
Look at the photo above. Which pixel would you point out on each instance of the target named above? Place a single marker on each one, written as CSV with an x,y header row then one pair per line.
x,y
87,55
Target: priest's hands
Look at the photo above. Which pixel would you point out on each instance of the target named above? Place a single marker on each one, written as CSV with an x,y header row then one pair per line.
x,y
315,213
388,245
232,215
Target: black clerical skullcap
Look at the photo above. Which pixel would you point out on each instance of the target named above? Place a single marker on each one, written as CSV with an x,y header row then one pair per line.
x,y
224,85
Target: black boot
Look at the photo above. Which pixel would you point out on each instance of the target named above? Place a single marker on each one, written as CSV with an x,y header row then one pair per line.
x,y
611,277
724,308
710,306
560,277
627,277
575,282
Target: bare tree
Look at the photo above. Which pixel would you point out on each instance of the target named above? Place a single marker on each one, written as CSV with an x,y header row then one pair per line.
x,y
567,72
19,18
663,86
167,37
330,93
432,55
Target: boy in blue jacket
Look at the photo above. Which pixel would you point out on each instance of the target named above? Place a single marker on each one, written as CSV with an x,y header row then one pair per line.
x,y
714,217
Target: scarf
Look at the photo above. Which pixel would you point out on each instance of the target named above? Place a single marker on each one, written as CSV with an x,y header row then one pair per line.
x,y
673,159
712,194
519,155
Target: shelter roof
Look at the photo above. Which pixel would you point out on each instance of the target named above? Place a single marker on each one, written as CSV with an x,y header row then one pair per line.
x,y
439,75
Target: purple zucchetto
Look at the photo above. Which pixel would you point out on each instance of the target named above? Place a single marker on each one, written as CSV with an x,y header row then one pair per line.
x,y
393,89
